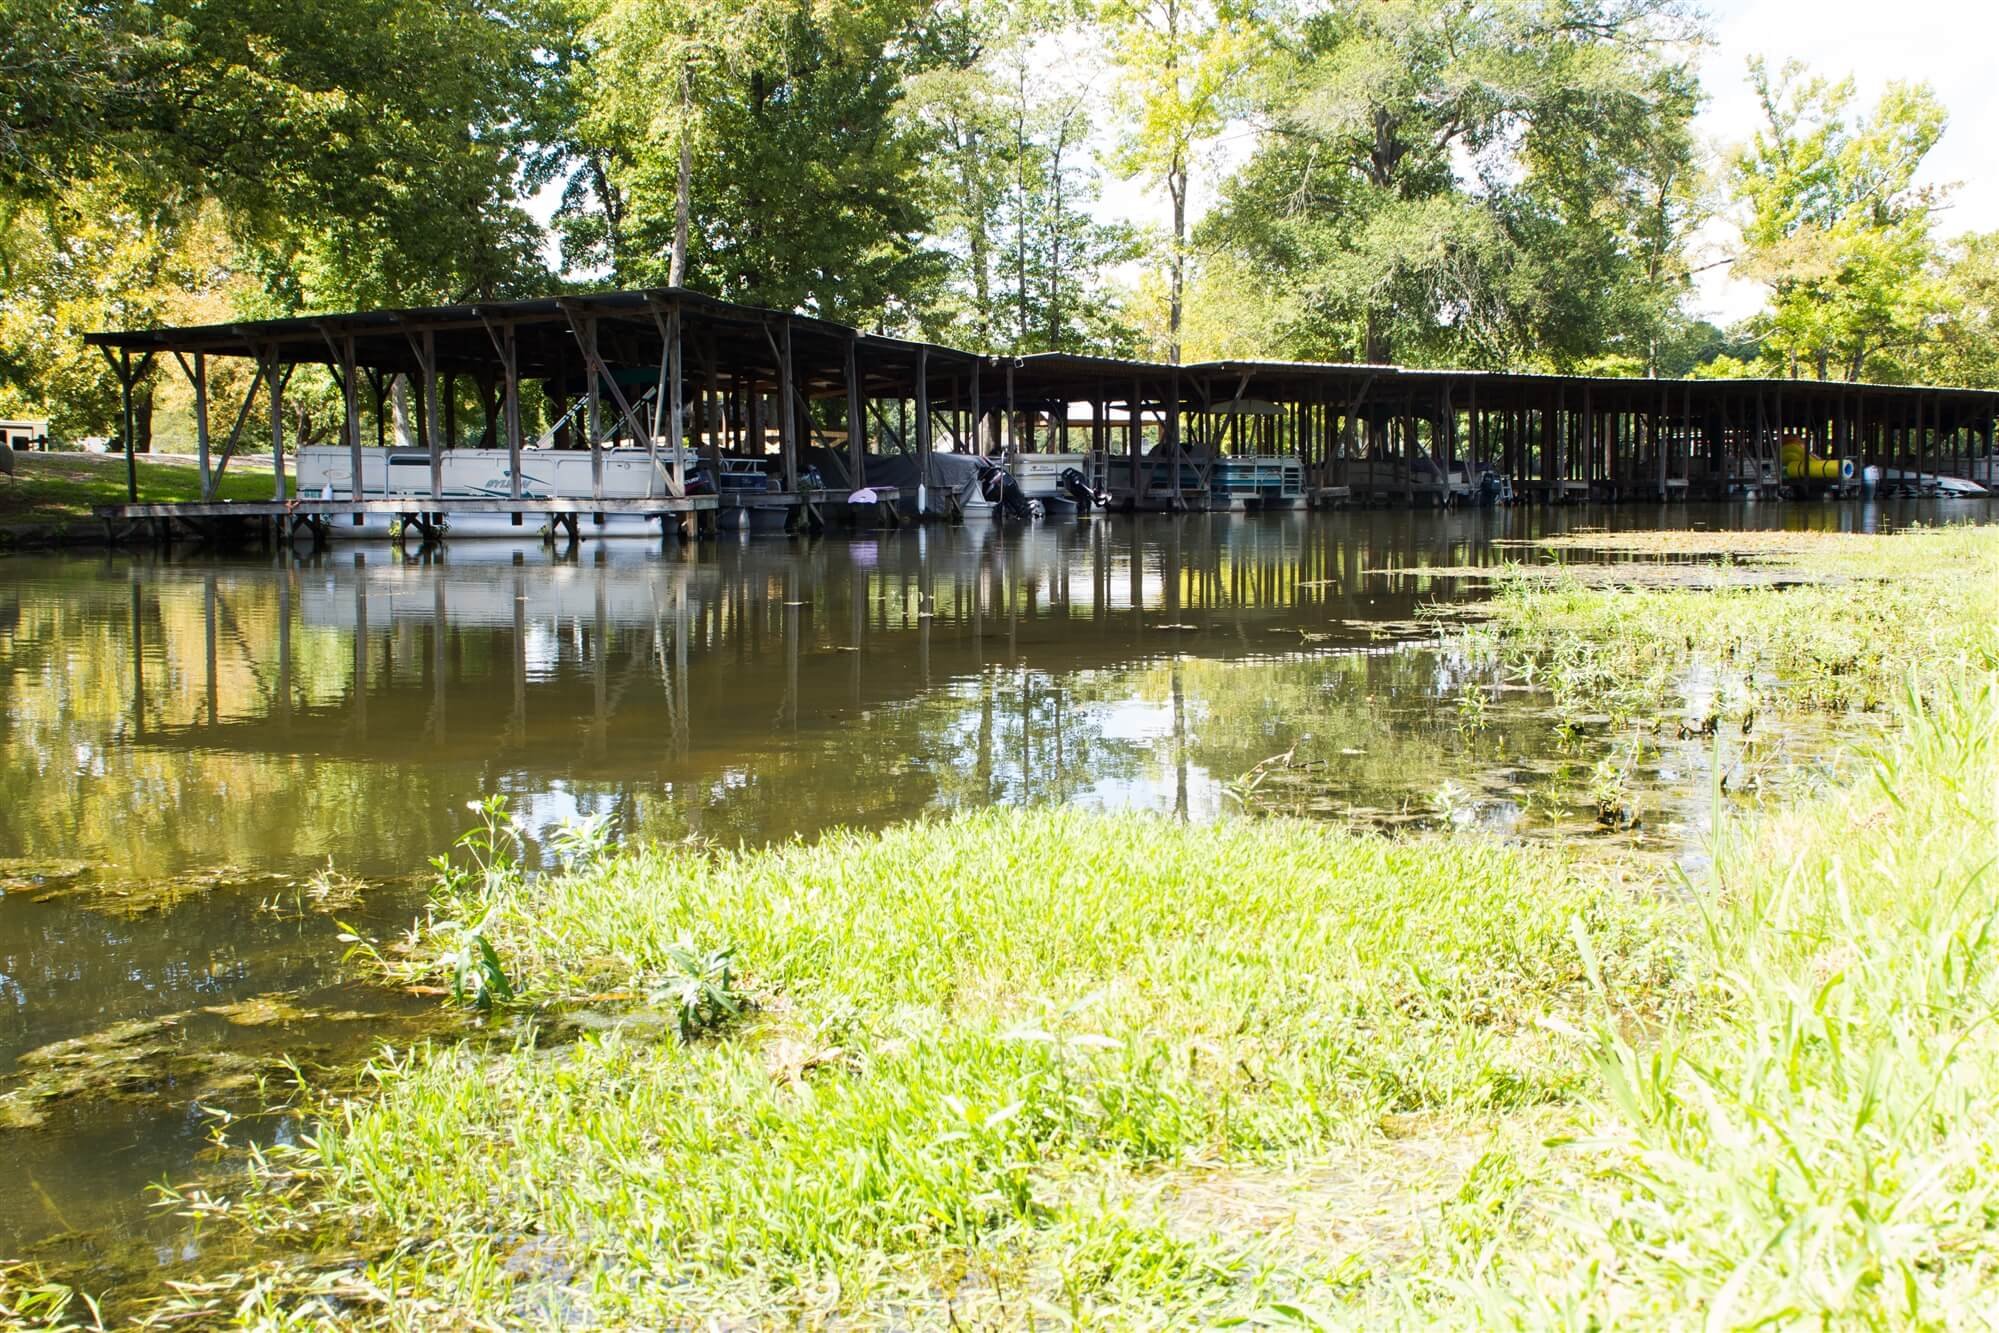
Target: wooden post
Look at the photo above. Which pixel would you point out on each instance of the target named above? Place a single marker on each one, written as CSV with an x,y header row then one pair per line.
x,y
434,440
1474,436
1007,440
676,401
201,421
787,409
351,400
856,445
513,408
714,420
923,415
1133,430
1447,442
277,382
595,406
978,410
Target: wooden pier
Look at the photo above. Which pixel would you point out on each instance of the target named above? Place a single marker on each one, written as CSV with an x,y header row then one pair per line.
x,y
705,387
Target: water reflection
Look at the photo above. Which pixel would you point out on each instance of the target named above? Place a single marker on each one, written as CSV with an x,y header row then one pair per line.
x,y
247,718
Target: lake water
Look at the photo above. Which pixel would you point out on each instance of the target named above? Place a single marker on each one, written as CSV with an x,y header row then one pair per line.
x,y
189,744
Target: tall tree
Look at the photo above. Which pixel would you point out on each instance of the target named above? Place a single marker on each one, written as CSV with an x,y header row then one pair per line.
x,y
801,181
1015,180
1838,223
341,171
1483,181
1965,347
1178,62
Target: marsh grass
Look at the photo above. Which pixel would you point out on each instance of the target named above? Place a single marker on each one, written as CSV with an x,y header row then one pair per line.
x,y
1867,617
968,1039
1818,1145
1045,1067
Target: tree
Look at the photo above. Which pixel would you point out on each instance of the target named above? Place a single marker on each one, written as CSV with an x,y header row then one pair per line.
x,y
1965,348
1013,182
801,181
1480,181
1178,62
252,157
1838,225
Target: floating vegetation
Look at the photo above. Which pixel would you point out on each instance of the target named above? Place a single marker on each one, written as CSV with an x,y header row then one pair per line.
x,y
138,1058
36,876
260,1011
93,889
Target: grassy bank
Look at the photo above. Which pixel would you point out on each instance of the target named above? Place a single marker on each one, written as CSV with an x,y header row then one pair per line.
x,y
57,490
1047,1067
1827,622
968,1058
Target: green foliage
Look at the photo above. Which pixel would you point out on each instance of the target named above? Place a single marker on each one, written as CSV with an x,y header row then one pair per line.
x,y
1180,64
1867,615
1124,1071
968,1036
1965,350
803,176
1839,225
1493,183
1012,185
702,993
1816,1147
1472,184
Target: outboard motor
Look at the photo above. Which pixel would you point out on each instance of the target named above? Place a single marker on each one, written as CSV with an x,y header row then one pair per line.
x,y
1077,487
1488,489
998,486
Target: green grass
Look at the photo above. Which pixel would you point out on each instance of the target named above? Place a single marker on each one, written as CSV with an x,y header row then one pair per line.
x,y
1864,617
1817,1146
56,489
1032,1068
971,1043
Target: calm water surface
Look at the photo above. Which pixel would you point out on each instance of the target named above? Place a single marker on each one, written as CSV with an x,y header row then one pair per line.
x,y
186,744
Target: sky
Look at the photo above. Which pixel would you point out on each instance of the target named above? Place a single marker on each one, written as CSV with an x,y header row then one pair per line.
x,y
1947,43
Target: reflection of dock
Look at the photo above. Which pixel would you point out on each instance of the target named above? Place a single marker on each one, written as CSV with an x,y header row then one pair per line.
x,y
290,516
618,662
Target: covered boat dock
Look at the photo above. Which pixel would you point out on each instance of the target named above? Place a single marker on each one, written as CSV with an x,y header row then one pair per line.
x,y
723,408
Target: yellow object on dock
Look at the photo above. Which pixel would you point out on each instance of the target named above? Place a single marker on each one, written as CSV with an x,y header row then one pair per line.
x,y
1800,466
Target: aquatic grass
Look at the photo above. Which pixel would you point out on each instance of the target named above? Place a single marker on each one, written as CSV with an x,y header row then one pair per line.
x,y
1015,1067
956,1024
1819,1145
1865,620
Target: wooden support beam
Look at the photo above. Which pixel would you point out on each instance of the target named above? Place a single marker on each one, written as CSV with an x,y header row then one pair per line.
x,y
585,330
511,359
424,347
278,377
197,378
923,416
713,394
350,399
787,408
669,401
856,442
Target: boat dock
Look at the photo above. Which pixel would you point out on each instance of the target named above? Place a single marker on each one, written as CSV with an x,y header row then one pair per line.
x,y
623,410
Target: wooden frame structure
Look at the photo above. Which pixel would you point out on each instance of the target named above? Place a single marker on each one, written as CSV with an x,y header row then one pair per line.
x,y
721,377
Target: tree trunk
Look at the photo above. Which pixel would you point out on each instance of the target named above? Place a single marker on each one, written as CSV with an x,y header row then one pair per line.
x,y
1176,185
683,185
614,213
1376,349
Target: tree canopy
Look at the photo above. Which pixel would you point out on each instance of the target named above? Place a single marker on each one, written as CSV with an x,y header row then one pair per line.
x,y
1477,182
